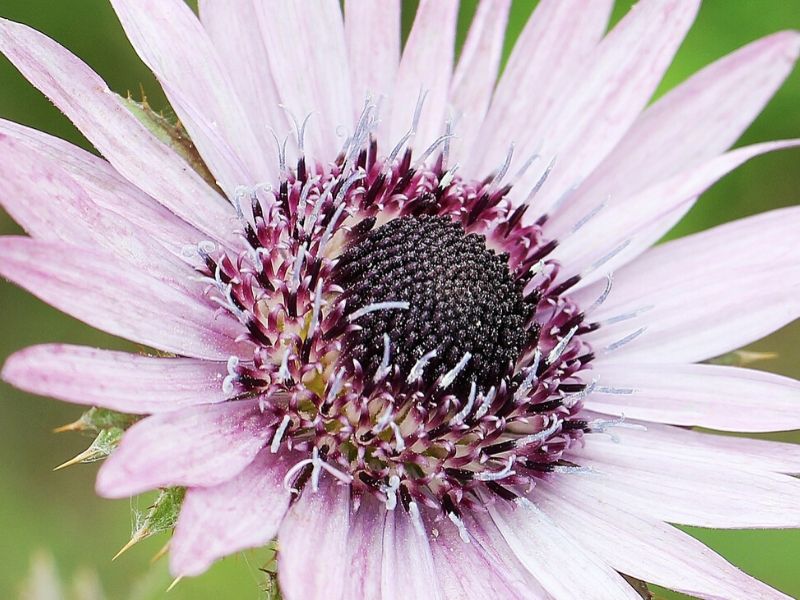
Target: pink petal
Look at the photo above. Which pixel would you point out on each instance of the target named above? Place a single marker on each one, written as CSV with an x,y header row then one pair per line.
x,y
408,567
476,74
646,548
483,532
243,512
680,486
197,446
705,294
372,30
117,380
100,290
693,123
466,570
556,43
107,188
51,206
365,550
741,452
313,556
621,231
233,28
613,88
425,67
724,398
562,566
308,58
103,118
171,42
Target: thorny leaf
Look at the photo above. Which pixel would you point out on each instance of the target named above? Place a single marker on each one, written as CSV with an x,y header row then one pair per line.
x,y
639,586
160,516
172,134
741,358
101,447
97,419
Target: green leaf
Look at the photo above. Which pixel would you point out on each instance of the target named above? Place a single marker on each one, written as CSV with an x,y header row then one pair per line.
x,y
173,134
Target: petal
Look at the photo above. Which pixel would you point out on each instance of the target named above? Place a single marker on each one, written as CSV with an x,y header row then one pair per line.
x,y
680,486
107,188
476,74
171,42
484,532
614,87
694,122
51,206
557,41
243,512
425,68
562,566
120,299
705,294
741,452
372,30
466,571
717,397
233,28
646,548
117,380
408,567
103,118
308,58
621,231
313,557
197,446
365,550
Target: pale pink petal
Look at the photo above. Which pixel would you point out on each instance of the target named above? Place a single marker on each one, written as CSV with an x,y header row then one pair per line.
x,y
557,41
717,397
614,87
705,294
646,548
483,532
117,380
107,188
621,231
197,446
243,512
308,58
233,28
742,452
102,291
104,119
476,74
373,49
466,570
365,550
313,557
425,68
172,43
51,206
408,567
691,124
679,486
562,566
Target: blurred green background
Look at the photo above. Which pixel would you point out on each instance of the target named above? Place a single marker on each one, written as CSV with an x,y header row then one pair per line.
x,y
59,513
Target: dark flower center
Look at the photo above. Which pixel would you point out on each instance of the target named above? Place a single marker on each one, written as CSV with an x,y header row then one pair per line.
x,y
465,312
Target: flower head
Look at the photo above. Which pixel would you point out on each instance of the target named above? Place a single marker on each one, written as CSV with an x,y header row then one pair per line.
x,y
384,286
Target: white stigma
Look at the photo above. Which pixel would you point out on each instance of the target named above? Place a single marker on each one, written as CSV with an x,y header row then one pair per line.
x,y
383,369
419,366
276,441
559,348
376,306
451,375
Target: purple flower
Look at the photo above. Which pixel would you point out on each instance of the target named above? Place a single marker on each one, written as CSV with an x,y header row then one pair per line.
x,y
385,290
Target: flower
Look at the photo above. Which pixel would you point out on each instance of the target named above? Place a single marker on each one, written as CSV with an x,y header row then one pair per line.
x,y
392,339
